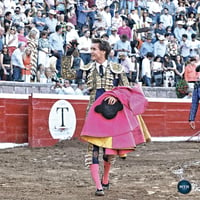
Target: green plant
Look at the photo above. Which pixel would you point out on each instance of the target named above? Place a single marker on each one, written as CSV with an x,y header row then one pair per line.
x,y
181,88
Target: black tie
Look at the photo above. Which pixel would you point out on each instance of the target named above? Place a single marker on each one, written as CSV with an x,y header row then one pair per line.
x,y
101,70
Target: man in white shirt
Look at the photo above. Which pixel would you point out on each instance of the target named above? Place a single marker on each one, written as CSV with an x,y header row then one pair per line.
x,y
71,33
84,47
107,18
66,88
155,9
195,46
17,62
146,69
166,18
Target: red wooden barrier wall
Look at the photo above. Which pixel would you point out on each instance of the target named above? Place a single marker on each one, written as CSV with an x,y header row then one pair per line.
x,y
25,119
14,118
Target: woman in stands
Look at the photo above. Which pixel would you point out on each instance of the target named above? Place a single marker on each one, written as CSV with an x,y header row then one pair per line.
x,y
5,62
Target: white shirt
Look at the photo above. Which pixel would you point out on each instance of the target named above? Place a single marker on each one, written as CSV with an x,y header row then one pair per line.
x,y
105,63
154,7
71,35
146,67
167,20
84,42
107,18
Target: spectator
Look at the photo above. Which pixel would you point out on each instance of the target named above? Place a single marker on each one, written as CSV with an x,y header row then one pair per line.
x,y
100,25
80,90
32,43
26,73
155,9
166,18
39,21
56,44
146,69
112,57
28,20
7,21
65,88
83,10
61,6
131,5
179,30
84,47
21,35
114,37
51,4
134,70
51,21
131,23
185,46
147,46
43,49
71,16
5,62
21,6
116,20
189,31
124,30
169,67
41,77
107,18
159,31
122,46
126,63
71,33
157,71
195,46
160,47
19,17
180,68
2,38
17,62
172,46
11,39
171,7
77,64
135,17
190,75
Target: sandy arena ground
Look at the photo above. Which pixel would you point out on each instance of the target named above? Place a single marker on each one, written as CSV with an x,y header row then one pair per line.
x,y
58,173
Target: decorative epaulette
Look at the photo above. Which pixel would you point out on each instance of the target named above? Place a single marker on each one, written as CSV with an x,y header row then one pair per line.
x,y
87,67
116,68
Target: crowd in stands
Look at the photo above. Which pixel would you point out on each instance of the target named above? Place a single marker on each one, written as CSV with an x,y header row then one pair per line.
x,y
156,41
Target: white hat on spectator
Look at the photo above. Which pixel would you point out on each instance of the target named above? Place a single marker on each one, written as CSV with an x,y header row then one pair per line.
x,y
180,22
52,12
70,24
161,37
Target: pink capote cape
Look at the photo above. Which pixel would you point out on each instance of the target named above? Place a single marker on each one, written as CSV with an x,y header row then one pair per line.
x,y
123,131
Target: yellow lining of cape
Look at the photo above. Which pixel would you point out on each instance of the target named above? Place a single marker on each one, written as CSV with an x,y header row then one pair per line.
x,y
105,142
144,128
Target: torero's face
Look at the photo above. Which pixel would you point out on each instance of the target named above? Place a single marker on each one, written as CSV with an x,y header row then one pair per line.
x,y
97,54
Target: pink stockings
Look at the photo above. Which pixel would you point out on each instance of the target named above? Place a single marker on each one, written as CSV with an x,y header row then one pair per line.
x,y
94,170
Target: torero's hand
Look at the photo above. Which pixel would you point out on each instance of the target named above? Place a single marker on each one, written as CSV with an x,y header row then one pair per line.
x,y
111,100
192,124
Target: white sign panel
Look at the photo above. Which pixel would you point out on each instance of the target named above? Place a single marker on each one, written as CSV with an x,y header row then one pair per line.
x,y
62,120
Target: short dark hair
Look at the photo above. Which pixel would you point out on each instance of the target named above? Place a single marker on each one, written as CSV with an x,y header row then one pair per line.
x,y
103,45
58,27
149,55
185,36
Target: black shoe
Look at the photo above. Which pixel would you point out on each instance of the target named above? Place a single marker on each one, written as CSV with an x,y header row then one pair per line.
x,y
99,192
105,186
